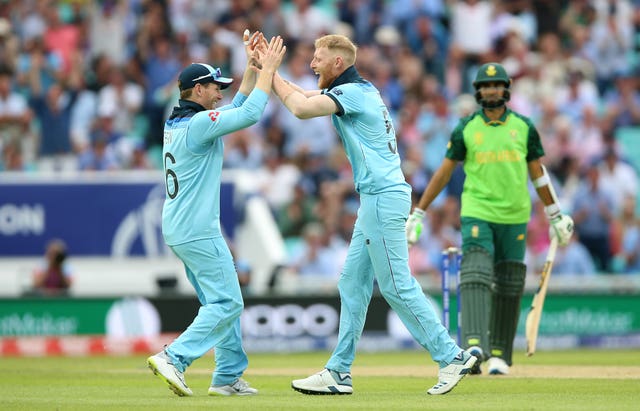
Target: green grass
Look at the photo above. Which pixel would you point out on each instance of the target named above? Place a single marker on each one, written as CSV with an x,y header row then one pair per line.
x,y
562,380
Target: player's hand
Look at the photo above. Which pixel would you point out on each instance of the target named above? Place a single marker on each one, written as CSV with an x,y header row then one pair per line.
x,y
273,55
414,226
561,227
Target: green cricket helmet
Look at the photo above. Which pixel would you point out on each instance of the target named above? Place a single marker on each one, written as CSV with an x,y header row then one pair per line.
x,y
492,73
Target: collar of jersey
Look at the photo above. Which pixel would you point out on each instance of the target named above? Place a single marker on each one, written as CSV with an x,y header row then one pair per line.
x,y
186,108
500,121
350,75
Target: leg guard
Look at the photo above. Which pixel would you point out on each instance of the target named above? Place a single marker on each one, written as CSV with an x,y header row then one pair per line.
x,y
476,277
505,308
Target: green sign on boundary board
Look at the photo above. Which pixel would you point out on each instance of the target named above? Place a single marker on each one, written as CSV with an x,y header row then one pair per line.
x,y
585,315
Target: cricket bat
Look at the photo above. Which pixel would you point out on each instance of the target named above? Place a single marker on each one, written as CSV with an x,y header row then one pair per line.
x,y
535,311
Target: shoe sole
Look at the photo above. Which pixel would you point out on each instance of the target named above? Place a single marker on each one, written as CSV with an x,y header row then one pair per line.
x,y
311,392
463,373
228,394
177,390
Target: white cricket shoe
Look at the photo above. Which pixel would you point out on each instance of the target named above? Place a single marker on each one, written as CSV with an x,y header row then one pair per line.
x,y
450,376
497,366
240,387
326,382
162,366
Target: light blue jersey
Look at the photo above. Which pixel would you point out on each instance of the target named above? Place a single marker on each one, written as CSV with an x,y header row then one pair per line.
x,y
366,130
193,152
192,156
378,249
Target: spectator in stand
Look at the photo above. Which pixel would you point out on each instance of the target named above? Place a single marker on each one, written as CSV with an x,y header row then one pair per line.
x,y
53,108
574,259
13,159
588,135
62,37
619,177
578,94
55,276
471,22
268,15
623,101
160,68
101,154
243,150
276,179
15,115
108,29
316,256
305,21
50,69
626,234
298,213
427,39
127,95
592,215
611,40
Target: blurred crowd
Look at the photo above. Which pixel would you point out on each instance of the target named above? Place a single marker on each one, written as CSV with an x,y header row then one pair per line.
x,y
85,85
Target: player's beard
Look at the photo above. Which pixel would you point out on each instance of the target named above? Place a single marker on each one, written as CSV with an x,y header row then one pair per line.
x,y
324,80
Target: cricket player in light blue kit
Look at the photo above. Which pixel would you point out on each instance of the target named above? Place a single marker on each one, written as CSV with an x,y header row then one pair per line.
x,y
193,152
378,246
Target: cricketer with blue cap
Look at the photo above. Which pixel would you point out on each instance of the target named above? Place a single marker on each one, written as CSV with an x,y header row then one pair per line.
x,y
200,73
192,152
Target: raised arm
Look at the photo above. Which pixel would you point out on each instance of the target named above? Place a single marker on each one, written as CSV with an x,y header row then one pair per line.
x,y
303,104
249,76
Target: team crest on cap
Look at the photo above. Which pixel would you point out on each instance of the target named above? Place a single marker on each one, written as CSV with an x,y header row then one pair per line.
x,y
491,71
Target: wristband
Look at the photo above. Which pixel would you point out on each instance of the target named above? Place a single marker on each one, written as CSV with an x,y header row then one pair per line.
x,y
551,211
418,212
541,181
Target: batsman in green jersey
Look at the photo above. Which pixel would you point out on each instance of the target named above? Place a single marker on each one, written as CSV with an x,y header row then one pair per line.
x,y
500,149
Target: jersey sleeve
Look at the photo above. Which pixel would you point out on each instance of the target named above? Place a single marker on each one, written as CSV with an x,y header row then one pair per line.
x,y
237,101
208,125
456,149
348,98
534,145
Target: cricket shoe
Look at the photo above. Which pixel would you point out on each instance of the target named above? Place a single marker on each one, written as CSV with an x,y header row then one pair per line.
x,y
239,387
476,352
497,366
450,376
326,382
162,366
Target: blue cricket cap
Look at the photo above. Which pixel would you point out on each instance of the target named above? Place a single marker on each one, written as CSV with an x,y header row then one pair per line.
x,y
202,73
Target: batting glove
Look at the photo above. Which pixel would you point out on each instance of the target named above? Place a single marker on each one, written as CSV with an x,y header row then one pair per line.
x,y
560,225
414,226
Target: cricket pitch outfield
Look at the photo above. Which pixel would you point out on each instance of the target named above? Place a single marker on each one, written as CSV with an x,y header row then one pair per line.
x,y
550,380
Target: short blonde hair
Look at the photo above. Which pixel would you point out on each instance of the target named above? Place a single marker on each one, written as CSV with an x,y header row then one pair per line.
x,y
339,44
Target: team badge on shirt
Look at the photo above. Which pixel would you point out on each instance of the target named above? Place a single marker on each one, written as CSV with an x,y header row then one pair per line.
x,y
478,138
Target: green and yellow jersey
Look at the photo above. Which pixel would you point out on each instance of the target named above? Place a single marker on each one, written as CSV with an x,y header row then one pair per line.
x,y
495,156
